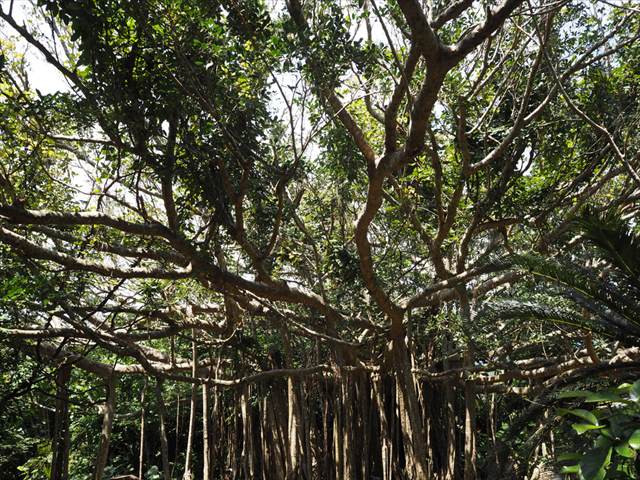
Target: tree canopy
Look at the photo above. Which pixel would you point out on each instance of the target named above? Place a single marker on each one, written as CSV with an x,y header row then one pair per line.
x,y
317,240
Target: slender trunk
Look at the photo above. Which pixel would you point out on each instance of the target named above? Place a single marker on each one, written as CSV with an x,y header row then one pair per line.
x,y
190,434
306,429
410,415
206,454
164,444
192,413
385,430
450,414
428,407
470,466
293,417
325,465
266,442
277,421
234,442
142,420
394,431
108,412
338,438
61,433
347,406
451,432
365,424
247,450
216,432
293,464
492,429
177,443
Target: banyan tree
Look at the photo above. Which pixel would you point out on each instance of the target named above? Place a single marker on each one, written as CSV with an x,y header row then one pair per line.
x,y
254,239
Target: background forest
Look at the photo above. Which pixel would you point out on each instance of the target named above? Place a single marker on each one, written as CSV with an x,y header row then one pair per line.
x,y
337,239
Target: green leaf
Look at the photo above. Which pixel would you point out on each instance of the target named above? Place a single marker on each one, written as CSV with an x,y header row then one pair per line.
x,y
575,394
602,397
618,423
634,440
593,465
570,469
634,393
623,450
565,457
606,433
602,442
580,413
585,427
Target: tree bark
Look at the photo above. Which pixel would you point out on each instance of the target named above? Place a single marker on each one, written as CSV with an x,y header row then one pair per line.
x,y
177,443
216,431
385,431
410,415
293,427
366,420
164,444
247,437
450,407
142,421
470,467
108,412
192,413
338,433
206,453
324,465
61,433
348,444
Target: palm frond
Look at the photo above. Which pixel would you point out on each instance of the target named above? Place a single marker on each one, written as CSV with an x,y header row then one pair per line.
x,y
585,282
527,310
613,239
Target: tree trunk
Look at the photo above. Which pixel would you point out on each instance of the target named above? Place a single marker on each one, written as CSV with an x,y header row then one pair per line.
x,y
324,466
470,467
277,422
142,420
410,415
206,454
469,432
108,412
216,432
247,436
305,409
266,442
469,398
365,393
192,413
293,427
177,442
164,444
61,433
450,408
338,438
190,433
385,430
348,423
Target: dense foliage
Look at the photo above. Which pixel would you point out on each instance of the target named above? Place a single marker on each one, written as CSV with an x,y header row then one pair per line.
x,y
319,240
